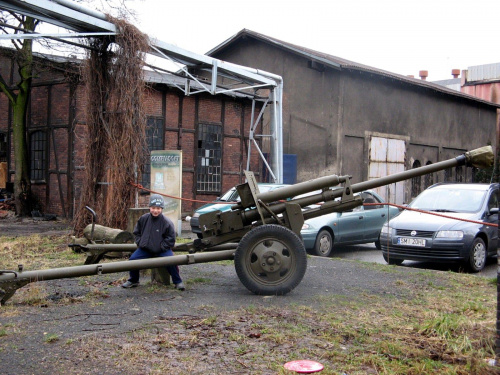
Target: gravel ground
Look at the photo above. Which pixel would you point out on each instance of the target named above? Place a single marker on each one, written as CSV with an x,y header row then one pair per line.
x,y
96,307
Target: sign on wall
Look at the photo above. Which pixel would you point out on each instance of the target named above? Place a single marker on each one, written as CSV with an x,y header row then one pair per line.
x,y
166,178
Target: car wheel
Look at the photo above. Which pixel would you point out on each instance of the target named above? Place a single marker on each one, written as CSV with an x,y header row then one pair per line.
x,y
324,244
392,261
477,255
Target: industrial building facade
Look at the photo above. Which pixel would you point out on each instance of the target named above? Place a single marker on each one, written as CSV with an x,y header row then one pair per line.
x,y
347,118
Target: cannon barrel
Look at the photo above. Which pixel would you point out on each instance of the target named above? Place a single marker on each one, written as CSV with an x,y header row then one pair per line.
x,y
10,281
481,158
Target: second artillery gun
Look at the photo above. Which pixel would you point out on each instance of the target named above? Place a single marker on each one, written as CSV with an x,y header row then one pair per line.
x,y
261,233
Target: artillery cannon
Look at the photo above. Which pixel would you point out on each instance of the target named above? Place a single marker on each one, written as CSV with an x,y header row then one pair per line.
x,y
261,233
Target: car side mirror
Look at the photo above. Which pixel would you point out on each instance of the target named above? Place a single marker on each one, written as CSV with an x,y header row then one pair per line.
x,y
493,211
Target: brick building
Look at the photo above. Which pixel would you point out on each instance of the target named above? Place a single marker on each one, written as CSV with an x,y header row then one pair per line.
x,y
202,126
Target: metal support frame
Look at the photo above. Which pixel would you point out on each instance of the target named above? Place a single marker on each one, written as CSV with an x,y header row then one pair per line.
x,y
245,81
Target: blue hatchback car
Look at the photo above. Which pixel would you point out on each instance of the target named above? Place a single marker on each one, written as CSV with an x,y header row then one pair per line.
x,y
465,235
360,225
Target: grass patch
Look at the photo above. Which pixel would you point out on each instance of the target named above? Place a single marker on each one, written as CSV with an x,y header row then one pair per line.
x,y
50,337
444,323
37,252
443,329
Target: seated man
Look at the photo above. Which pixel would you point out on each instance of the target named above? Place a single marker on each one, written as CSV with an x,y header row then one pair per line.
x,y
155,237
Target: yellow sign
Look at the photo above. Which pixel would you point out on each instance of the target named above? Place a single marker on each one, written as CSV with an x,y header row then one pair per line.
x,y
166,178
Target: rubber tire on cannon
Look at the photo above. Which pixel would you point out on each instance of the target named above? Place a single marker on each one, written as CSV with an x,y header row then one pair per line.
x,y
270,260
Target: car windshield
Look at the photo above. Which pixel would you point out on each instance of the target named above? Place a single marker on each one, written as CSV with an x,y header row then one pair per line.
x,y
232,195
449,200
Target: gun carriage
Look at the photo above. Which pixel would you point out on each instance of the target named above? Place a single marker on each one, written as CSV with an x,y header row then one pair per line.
x,y
261,233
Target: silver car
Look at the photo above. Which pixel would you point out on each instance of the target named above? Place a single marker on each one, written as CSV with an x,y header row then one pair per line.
x,y
465,235
360,225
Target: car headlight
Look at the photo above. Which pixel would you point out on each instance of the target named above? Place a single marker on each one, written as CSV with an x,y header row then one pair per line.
x,y
386,229
455,234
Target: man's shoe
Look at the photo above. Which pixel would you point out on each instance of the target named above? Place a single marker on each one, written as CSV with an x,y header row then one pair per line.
x,y
180,286
129,284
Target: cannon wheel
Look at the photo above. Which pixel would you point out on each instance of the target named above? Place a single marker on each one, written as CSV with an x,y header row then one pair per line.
x,y
270,260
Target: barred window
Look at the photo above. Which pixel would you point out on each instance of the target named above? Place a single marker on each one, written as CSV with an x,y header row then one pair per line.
x,y
38,156
154,141
3,147
209,159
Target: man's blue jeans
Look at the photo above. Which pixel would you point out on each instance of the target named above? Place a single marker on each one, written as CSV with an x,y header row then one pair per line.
x,y
143,254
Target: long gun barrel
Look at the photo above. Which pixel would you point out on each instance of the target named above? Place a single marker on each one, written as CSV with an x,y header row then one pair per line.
x,y
269,259
265,207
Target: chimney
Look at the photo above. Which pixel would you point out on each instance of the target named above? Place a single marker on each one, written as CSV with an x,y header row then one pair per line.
x,y
423,74
455,73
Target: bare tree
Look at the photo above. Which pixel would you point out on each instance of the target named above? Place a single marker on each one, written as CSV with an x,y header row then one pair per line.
x,y
18,94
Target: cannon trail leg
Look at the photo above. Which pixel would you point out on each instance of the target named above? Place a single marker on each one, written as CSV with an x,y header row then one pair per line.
x,y
270,260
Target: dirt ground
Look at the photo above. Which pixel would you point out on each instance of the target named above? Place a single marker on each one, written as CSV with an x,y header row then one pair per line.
x,y
58,337
10,225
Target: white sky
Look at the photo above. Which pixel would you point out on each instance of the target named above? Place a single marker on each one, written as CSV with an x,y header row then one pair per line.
x,y
395,35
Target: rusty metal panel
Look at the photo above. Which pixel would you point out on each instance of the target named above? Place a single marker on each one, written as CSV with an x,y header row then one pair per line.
x,y
395,151
387,157
378,149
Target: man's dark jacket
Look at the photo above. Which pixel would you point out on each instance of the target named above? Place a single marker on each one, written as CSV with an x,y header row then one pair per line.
x,y
154,234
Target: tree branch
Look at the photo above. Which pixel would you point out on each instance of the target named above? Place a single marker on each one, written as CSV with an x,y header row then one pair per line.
x,y
6,90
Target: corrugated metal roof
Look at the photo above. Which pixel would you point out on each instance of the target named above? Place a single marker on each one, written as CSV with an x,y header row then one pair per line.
x,y
483,72
150,76
340,63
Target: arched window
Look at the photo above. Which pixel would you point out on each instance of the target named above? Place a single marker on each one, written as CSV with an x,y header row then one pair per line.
x,y
459,174
448,175
429,178
415,181
38,156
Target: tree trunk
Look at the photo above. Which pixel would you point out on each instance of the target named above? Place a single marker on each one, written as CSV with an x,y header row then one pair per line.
x,y
104,234
22,183
19,100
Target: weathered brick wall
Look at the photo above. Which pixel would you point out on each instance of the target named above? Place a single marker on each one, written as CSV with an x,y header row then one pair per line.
x,y
60,111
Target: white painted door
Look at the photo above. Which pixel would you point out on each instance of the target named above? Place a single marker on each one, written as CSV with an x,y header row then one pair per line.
x,y
387,156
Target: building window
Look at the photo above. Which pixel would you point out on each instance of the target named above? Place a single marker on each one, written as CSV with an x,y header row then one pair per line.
x,y
38,156
3,147
209,159
415,181
154,141
448,175
429,178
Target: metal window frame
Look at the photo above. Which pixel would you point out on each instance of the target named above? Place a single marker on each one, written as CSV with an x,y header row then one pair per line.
x,y
85,23
38,174
151,146
213,180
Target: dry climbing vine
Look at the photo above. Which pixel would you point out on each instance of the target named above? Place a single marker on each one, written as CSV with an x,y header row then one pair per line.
x,y
116,124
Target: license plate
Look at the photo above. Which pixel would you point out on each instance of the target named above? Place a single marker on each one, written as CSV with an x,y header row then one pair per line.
x,y
411,241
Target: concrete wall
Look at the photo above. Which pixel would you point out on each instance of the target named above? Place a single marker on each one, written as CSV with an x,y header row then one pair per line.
x,y
330,115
